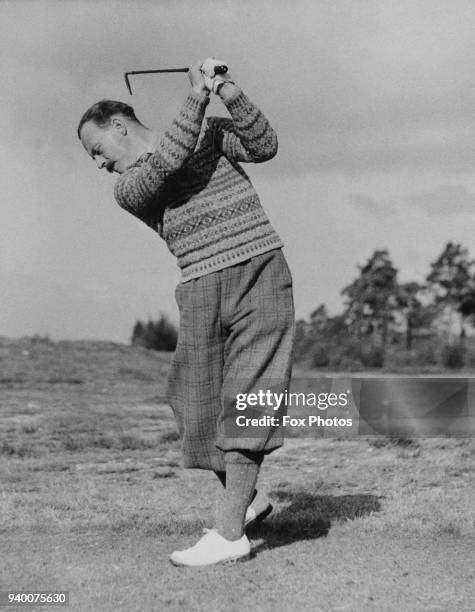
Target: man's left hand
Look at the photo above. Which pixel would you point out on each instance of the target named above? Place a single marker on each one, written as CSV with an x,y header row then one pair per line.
x,y
197,78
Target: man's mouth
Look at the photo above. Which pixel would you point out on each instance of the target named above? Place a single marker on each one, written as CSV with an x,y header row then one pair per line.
x,y
110,167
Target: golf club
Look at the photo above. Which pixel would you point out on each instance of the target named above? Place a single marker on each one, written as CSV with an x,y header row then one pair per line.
x,y
217,70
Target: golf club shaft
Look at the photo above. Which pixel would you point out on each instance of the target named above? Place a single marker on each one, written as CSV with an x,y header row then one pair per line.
x,y
162,70
218,70
126,75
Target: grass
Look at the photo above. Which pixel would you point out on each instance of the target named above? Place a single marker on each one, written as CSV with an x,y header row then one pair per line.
x,y
94,499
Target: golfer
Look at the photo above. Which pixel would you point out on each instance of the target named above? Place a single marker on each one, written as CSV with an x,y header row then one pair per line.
x,y
235,295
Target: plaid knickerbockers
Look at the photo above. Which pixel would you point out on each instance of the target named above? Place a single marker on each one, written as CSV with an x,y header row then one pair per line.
x,y
236,336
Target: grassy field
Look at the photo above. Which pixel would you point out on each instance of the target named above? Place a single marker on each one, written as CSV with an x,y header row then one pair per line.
x,y
93,500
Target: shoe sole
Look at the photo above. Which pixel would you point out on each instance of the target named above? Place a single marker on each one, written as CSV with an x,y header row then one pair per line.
x,y
260,517
237,560
231,561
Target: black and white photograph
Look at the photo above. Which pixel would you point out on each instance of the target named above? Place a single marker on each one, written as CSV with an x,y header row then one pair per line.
x,y
237,324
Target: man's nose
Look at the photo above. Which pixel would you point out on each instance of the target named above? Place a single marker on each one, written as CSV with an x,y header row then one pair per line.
x,y
100,161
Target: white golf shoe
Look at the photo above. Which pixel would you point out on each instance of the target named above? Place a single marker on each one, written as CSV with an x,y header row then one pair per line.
x,y
212,548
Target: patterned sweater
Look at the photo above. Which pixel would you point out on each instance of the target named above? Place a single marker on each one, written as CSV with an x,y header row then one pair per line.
x,y
193,192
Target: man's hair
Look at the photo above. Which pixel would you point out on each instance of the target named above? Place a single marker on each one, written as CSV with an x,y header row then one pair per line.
x,y
101,113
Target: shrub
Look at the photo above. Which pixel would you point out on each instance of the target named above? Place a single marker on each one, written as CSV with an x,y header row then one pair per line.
x,y
160,335
415,358
170,436
372,356
453,356
345,355
320,357
38,339
348,364
426,355
401,358
470,358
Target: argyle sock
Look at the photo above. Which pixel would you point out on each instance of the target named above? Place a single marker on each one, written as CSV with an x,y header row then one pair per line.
x,y
242,470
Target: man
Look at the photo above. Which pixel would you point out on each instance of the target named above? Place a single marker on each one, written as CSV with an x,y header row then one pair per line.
x,y
235,297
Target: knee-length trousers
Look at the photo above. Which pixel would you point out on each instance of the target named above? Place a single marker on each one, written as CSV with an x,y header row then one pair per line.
x,y
236,336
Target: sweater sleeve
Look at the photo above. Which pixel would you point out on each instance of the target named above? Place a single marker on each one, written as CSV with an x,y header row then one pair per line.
x,y
138,188
248,135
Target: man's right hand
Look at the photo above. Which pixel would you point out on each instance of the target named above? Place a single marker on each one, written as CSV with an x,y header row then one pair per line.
x,y
197,78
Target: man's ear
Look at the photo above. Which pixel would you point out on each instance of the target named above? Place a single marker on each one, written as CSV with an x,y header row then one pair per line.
x,y
119,124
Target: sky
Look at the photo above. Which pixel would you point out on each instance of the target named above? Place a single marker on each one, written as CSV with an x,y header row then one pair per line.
x,y
373,102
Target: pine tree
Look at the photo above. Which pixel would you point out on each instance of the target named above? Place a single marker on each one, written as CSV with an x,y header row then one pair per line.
x,y
452,281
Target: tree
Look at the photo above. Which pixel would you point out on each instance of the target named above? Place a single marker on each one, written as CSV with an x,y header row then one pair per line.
x,y
138,334
302,340
160,335
412,309
452,281
165,335
372,298
467,304
319,318
320,337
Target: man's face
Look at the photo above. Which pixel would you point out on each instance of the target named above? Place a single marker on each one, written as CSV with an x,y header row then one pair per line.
x,y
108,146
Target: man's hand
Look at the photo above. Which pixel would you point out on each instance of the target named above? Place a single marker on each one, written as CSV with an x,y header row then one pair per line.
x,y
214,81
197,78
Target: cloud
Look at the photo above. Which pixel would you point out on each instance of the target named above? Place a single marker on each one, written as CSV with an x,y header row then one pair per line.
x,y
371,206
445,200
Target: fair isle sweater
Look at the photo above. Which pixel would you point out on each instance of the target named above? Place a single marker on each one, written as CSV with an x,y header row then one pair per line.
x,y
192,191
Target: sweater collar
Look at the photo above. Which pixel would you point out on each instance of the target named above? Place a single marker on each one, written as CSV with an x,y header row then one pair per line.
x,y
149,150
